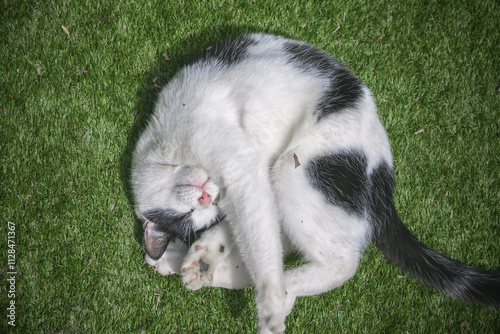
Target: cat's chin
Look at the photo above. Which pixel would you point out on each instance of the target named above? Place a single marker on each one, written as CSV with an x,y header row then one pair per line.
x,y
204,218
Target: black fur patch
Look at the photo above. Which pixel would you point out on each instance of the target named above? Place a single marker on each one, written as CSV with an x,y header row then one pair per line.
x,y
382,207
170,221
344,90
342,180
229,52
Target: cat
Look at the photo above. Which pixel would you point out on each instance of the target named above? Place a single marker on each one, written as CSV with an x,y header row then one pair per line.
x,y
271,143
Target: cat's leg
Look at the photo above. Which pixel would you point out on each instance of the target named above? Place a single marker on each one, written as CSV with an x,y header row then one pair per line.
x,y
171,260
318,276
254,222
330,262
331,236
242,169
214,261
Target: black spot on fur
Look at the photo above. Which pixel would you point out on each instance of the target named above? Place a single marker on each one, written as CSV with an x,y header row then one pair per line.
x,y
342,180
399,245
171,221
344,88
229,52
382,207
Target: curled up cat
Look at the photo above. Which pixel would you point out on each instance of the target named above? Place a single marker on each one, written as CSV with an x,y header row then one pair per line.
x,y
271,143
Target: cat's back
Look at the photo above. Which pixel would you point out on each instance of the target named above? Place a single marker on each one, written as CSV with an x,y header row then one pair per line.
x,y
250,82
266,87
248,62
280,68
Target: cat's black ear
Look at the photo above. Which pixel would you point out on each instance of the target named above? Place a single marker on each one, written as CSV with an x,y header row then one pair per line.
x,y
155,241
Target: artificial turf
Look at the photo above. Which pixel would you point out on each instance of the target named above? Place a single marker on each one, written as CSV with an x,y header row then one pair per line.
x,y
73,99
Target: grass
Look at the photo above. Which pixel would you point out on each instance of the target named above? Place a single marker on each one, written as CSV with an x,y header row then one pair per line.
x,y
72,105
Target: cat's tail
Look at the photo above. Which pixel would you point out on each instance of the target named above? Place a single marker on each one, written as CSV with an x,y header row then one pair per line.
x,y
399,245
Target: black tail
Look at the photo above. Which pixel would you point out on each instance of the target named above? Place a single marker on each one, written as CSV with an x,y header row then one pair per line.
x,y
399,245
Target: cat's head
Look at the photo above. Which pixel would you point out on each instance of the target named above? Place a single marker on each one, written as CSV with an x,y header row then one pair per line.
x,y
172,201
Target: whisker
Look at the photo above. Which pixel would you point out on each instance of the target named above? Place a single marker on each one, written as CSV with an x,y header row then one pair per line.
x,y
179,246
187,233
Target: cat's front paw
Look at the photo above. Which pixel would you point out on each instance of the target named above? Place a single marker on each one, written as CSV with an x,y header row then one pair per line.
x,y
197,270
201,263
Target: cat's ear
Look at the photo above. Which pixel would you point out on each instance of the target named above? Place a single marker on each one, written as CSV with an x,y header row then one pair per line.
x,y
155,241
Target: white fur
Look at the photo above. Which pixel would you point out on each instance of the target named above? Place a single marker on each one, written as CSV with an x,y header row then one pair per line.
x,y
171,260
242,125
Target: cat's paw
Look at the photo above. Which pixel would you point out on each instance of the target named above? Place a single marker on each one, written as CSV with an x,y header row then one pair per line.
x,y
200,264
171,261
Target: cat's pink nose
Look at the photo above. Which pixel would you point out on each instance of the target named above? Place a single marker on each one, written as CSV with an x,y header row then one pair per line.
x,y
205,199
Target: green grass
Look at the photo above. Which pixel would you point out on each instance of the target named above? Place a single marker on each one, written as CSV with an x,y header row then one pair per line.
x,y
71,107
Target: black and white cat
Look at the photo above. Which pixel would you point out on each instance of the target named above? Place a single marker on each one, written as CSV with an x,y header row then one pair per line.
x,y
281,144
